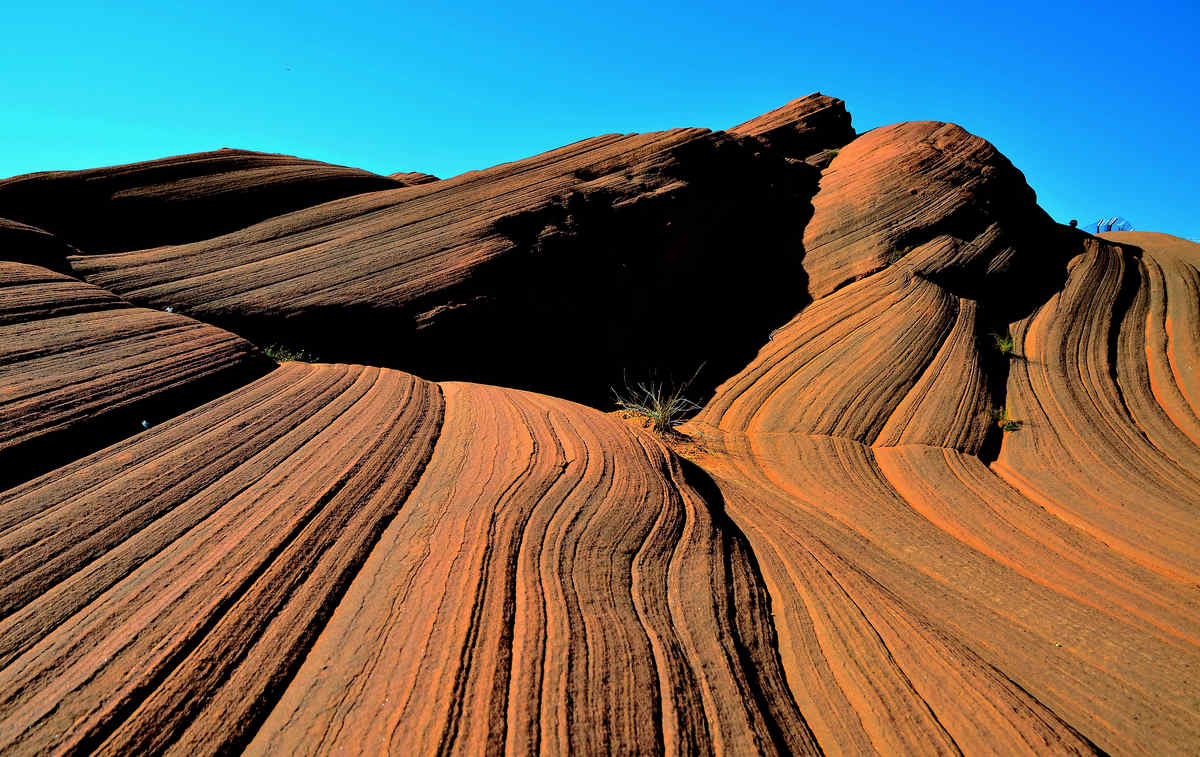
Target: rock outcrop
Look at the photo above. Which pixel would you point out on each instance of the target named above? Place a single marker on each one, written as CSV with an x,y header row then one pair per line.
x,y
560,272
412,178
79,367
892,530
177,199
854,453
808,128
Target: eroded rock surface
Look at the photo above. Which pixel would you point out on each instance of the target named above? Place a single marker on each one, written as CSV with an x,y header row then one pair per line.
x,y
561,272
80,367
806,128
852,557
939,198
338,558
854,452
176,199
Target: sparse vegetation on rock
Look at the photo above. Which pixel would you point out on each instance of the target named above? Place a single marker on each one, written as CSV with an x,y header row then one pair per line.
x,y
1005,344
1001,417
283,354
294,547
663,405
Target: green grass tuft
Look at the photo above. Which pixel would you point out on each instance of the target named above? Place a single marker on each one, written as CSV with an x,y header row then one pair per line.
x,y
1005,344
664,406
281,353
1002,419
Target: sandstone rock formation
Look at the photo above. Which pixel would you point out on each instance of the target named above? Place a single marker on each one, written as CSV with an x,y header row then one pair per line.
x,y
178,199
846,554
78,366
22,243
806,128
589,248
412,178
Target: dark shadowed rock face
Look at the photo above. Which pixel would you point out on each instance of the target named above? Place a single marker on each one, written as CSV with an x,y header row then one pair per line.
x,y
176,199
22,243
622,254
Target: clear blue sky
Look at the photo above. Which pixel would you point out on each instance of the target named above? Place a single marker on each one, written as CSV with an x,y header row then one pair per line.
x,y
1098,103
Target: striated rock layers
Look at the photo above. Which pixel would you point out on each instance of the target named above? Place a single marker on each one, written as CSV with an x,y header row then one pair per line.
x,y
179,199
560,272
888,530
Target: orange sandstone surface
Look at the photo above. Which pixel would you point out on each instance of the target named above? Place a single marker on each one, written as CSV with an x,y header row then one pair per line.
x,y
880,534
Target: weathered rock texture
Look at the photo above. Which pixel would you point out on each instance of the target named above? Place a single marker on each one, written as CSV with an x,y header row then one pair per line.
x,y
853,558
339,558
806,128
412,178
1046,597
561,272
940,199
179,199
80,367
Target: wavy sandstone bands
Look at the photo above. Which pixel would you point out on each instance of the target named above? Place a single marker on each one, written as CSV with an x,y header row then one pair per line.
x,y
178,199
1068,567
579,248
323,552
338,558
80,367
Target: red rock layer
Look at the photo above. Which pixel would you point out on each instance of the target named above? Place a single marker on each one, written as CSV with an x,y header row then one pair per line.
x,y
926,601
167,584
917,374
808,125
335,558
943,200
547,600
1097,447
586,248
176,199
1157,370
339,558
412,178
78,365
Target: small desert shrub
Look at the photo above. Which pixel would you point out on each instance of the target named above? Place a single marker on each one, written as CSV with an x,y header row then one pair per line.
x,y
833,154
663,405
1002,419
1005,344
281,353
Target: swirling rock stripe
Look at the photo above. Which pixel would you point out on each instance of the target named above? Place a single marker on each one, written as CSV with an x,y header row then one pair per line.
x,y
166,615
341,556
1060,579
73,354
555,584
916,375
885,629
1081,452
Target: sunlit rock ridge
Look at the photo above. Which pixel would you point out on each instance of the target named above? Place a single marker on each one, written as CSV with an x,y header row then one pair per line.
x,y
941,498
